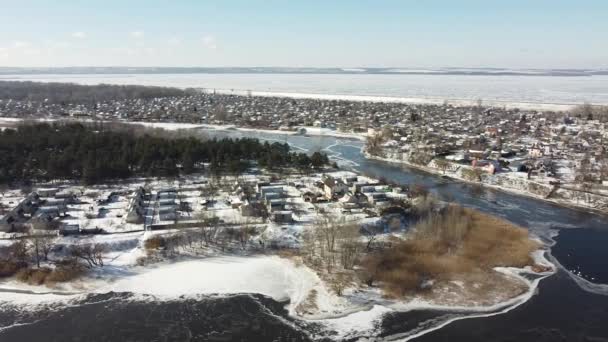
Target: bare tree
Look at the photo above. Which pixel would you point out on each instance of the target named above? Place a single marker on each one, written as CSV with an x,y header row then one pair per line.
x,y
209,226
371,236
91,253
19,251
312,248
442,164
41,246
245,232
374,144
328,229
339,283
472,174
369,271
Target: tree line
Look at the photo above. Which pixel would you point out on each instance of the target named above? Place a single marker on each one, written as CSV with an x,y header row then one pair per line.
x,y
94,153
64,93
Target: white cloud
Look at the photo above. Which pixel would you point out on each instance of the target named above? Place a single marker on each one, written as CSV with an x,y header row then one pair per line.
x,y
137,34
32,52
20,44
209,42
56,44
174,41
79,35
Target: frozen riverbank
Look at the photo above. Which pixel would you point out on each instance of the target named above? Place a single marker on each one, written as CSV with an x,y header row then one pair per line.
x,y
519,186
557,107
355,314
173,126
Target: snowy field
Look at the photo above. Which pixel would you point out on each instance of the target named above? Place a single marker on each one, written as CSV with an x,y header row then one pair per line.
x,y
542,92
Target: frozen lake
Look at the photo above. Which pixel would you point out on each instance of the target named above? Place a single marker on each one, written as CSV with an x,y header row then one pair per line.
x,y
497,90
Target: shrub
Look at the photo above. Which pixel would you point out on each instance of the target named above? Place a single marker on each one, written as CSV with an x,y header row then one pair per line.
x,y
33,276
154,243
66,270
9,268
453,242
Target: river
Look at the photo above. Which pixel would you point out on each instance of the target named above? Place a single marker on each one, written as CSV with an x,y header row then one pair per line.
x,y
571,305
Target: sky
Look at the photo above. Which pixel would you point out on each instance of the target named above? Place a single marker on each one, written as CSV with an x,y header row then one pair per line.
x,y
305,33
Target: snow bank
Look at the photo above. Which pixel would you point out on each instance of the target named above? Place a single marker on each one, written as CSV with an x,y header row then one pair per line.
x,y
355,324
170,126
272,276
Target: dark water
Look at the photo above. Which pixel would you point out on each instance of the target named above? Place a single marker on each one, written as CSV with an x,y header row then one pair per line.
x,y
588,244
120,317
560,311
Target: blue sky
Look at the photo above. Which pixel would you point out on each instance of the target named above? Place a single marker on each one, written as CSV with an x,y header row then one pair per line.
x,y
312,33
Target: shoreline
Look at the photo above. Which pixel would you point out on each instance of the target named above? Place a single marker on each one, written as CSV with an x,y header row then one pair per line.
x,y
438,173
357,96
355,320
310,131
459,102
171,126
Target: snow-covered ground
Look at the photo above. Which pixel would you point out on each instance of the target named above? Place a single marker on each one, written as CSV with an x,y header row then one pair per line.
x,y
272,276
538,92
352,315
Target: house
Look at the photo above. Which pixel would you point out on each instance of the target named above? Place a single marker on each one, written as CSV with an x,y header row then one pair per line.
x,y
333,187
136,207
253,209
359,186
260,185
376,198
167,213
60,203
164,202
47,192
476,154
283,216
167,194
272,196
535,151
66,195
271,189
8,221
235,202
351,200
276,205
69,229
488,166
350,180
50,211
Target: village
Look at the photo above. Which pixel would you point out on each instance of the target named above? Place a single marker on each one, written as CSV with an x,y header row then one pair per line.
x,y
328,228
550,155
558,158
275,210
561,156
